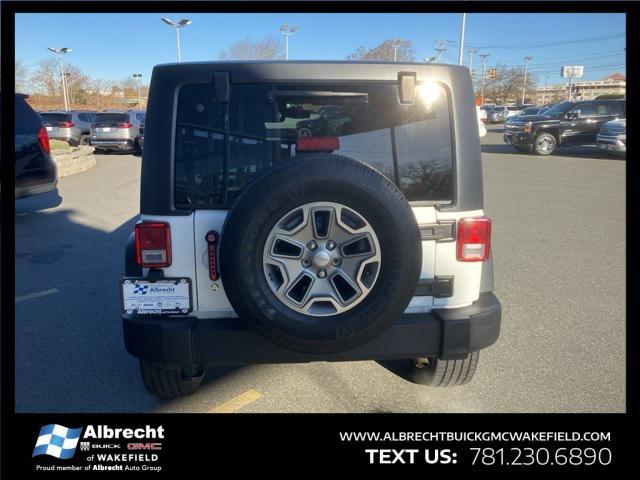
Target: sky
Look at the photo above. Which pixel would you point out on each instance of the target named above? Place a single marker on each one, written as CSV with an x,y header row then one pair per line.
x,y
114,46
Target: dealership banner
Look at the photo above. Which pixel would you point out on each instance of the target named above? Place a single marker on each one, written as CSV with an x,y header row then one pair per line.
x,y
165,446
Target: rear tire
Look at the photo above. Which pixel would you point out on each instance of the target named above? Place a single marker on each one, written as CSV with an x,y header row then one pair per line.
x,y
447,373
168,383
436,372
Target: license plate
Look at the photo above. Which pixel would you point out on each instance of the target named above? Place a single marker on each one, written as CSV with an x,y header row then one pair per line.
x,y
166,296
106,129
49,129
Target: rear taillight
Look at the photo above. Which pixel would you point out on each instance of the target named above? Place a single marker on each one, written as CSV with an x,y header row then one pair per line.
x,y
318,144
124,125
65,124
153,244
43,139
474,239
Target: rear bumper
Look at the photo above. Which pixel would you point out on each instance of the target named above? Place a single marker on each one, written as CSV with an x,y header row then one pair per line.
x,y
113,144
442,333
42,180
66,136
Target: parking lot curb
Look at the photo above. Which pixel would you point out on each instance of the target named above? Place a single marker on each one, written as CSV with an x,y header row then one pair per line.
x,y
73,160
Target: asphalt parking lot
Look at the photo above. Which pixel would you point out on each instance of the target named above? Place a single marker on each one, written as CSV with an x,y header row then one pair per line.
x,y
559,253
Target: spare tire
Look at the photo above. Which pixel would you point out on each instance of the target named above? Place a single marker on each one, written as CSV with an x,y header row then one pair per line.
x,y
320,254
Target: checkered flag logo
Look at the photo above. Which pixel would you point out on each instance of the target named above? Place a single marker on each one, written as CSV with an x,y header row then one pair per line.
x,y
140,289
57,441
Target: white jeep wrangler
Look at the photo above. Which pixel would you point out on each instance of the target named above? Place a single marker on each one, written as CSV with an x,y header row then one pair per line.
x,y
309,211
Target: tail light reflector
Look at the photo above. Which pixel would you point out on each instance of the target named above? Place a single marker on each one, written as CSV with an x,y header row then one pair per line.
x,y
212,245
65,124
318,144
124,125
474,239
153,244
43,139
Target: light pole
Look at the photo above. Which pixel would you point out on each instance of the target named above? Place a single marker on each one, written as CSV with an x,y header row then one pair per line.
x,y
544,92
177,25
464,19
395,44
484,62
287,32
524,83
471,52
138,76
61,51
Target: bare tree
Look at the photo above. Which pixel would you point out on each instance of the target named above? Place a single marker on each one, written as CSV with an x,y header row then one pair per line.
x,y
21,76
269,48
388,51
46,78
507,86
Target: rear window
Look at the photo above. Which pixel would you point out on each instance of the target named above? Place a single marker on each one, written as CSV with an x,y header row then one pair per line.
x,y
55,117
410,144
111,117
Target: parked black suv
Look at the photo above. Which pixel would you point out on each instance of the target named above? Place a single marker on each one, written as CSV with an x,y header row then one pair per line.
x,y
35,170
568,123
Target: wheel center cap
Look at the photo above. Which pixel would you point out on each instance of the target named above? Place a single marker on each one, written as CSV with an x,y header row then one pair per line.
x,y
321,259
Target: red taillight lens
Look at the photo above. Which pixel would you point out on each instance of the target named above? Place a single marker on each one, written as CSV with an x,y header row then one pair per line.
x,y
474,239
124,125
43,139
153,244
65,124
318,144
212,245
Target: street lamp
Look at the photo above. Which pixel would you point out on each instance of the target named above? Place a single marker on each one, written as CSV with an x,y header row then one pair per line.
x,y
177,25
461,51
138,76
287,32
524,83
61,51
395,44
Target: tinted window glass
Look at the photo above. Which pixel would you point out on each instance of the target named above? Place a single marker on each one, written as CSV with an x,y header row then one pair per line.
x,y
266,121
586,109
602,109
112,117
199,148
49,118
140,117
84,117
616,108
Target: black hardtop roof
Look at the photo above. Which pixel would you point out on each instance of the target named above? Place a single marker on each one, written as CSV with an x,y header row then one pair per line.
x,y
305,70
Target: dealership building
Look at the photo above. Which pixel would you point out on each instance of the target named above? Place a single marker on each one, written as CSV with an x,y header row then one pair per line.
x,y
614,84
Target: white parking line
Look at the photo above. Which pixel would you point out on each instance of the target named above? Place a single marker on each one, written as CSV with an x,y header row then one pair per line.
x,y
36,295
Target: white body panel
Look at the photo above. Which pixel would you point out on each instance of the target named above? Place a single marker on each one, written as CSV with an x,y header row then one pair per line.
x,y
190,259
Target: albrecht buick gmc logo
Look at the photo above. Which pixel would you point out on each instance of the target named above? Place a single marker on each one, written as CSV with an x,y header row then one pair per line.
x,y
61,442
106,432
